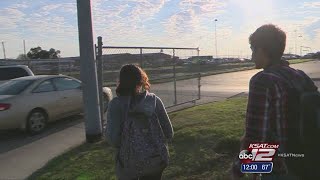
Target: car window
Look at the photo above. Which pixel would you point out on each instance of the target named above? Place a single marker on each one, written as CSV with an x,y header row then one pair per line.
x,y
11,73
65,84
45,86
14,87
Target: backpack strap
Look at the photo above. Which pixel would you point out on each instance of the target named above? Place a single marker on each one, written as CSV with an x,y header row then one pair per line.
x,y
125,109
151,103
154,100
298,86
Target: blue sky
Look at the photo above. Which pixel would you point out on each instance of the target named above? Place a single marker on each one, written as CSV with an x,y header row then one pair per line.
x,y
181,23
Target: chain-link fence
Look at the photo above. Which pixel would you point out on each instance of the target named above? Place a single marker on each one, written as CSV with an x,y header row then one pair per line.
x,y
67,66
165,66
172,73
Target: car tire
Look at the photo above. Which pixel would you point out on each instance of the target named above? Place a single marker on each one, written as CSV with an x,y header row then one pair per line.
x,y
36,121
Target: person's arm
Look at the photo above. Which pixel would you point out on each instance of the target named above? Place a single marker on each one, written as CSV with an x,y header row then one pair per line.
x,y
164,119
258,115
113,126
257,118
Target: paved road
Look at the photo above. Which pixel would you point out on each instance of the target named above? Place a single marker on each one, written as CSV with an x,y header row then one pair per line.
x,y
222,85
20,155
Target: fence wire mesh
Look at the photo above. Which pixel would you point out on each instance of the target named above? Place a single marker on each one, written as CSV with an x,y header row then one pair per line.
x,y
66,66
170,75
163,66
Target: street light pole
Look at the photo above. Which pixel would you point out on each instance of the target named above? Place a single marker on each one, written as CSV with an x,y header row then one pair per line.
x,y
215,29
295,42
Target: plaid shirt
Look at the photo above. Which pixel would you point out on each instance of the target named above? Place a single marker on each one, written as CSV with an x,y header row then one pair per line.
x,y
267,110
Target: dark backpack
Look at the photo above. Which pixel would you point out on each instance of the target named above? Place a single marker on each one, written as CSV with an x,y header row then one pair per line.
x,y
303,127
143,147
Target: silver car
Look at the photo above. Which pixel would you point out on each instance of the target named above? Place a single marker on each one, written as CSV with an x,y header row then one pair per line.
x,y
29,103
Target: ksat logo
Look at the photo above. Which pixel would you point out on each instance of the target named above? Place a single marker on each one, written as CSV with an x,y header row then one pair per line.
x,y
258,153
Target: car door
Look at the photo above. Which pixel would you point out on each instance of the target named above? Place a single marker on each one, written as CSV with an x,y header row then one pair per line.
x,y
71,92
45,96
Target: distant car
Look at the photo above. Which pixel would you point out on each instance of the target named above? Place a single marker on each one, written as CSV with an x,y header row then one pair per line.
x,y
30,103
14,71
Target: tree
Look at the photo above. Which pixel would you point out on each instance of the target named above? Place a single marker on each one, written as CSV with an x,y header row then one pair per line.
x,y
54,54
22,57
39,53
316,55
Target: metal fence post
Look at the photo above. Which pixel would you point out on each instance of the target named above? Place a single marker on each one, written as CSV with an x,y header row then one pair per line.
x,y
174,77
141,59
29,63
100,77
199,77
59,66
199,85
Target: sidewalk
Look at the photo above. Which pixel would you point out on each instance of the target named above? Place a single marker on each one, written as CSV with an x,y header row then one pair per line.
x,y
21,162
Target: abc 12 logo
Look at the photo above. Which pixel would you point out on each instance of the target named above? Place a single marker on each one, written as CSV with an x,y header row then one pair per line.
x,y
257,155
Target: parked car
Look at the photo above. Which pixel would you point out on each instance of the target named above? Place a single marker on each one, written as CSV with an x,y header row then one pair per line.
x,y
14,71
30,103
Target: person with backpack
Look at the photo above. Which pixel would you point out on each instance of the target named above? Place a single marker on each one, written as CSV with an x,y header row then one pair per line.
x,y
283,107
139,127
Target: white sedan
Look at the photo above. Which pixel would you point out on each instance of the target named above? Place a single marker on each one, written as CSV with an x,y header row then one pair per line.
x,y
29,103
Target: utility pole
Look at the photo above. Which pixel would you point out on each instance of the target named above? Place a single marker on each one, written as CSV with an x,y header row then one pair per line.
x,y
215,29
24,48
25,54
4,50
88,72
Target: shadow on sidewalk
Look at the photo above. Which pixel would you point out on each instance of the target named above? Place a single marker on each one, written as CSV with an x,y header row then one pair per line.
x,y
10,140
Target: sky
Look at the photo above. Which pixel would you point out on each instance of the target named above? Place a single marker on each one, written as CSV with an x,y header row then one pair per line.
x,y
174,23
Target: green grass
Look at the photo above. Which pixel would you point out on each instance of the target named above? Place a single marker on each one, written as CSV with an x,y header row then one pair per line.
x,y
205,142
296,61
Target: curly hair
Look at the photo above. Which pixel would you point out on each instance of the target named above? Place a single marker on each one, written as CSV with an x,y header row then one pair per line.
x,y
132,76
271,39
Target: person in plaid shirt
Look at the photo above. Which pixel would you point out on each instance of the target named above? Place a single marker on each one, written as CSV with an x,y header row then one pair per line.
x,y
267,109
